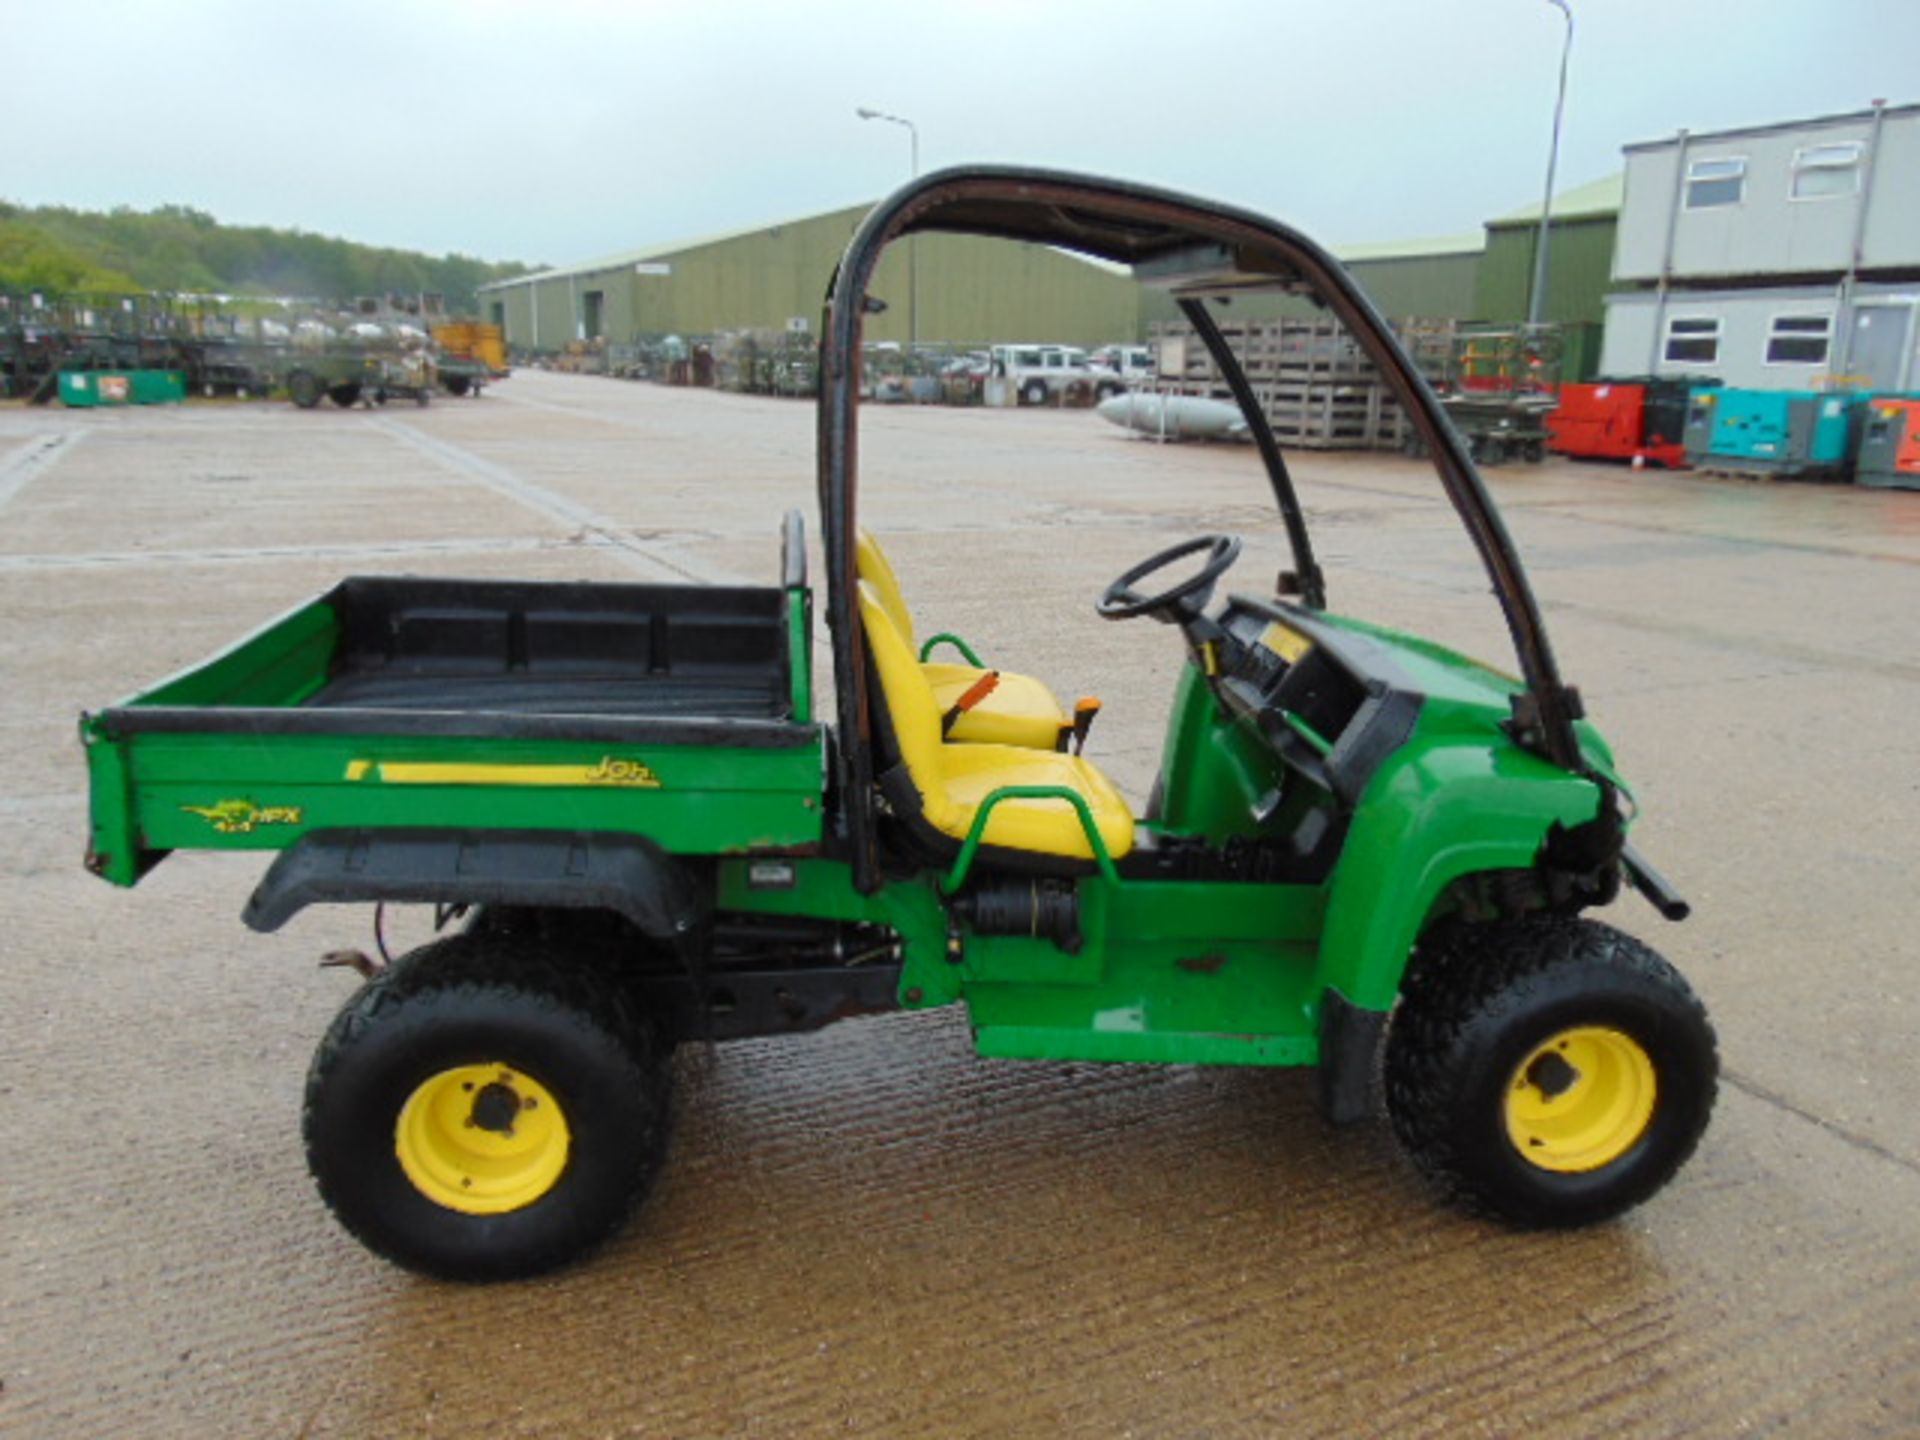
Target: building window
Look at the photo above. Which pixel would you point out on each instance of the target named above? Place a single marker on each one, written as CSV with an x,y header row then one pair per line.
x,y
1799,340
1693,341
1715,182
1823,170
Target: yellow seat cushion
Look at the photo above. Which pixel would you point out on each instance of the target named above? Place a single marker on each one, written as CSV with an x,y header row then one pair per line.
x,y
1019,711
953,780
1047,827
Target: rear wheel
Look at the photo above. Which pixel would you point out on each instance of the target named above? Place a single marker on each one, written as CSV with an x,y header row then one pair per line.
x,y
303,388
1034,392
344,395
482,1112
458,384
1551,1072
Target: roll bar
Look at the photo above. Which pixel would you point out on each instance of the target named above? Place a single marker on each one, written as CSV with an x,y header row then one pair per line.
x,y
1196,248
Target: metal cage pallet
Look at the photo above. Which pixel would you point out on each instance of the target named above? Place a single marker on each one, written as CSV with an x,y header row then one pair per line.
x,y
1317,387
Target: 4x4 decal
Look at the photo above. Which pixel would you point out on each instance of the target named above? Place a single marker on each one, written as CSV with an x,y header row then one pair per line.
x,y
243,817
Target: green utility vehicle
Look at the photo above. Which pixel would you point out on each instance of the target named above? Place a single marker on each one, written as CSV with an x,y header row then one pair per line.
x,y
1365,854
363,361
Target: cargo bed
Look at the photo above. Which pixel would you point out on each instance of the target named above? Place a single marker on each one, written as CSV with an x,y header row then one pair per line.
x,y
430,703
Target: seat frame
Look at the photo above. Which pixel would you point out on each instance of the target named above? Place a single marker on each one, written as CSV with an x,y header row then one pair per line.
x,y
926,844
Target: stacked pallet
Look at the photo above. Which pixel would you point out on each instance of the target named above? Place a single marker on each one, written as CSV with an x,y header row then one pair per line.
x,y
1430,344
1317,387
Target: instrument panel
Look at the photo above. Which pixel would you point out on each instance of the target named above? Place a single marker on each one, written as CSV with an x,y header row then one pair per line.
x,y
1331,704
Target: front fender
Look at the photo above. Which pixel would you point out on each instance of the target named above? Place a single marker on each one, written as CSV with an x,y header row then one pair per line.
x,y
1429,817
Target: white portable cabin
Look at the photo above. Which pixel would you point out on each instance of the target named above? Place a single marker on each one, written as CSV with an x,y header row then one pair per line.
x,y
1773,257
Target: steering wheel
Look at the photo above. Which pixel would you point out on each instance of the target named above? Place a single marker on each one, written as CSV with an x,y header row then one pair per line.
x,y
1122,602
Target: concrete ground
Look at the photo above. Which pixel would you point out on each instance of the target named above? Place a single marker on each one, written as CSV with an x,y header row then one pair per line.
x,y
869,1231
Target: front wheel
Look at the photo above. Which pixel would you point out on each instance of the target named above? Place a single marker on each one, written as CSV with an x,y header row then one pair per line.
x,y
482,1113
1034,392
1550,1072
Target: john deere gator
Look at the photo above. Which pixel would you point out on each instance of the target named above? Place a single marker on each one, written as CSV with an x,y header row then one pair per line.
x,y
1366,855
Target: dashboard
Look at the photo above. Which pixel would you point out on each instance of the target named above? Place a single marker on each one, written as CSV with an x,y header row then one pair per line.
x,y
1332,703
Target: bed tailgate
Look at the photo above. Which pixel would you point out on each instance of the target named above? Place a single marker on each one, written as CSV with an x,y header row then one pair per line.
x,y
164,779
677,712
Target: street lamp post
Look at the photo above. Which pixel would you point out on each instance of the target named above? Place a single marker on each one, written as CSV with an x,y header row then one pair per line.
x,y
913,273
1539,296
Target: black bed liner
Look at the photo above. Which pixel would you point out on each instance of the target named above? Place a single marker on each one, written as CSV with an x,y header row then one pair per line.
x,y
532,648
523,692
695,665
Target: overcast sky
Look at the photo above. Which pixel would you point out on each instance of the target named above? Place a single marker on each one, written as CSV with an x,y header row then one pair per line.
x,y
552,130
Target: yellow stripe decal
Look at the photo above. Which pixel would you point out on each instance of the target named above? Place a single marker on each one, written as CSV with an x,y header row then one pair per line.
x,y
608,770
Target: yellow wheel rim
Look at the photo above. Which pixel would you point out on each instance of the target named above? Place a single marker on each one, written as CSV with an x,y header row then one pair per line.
x,y
482,1139
1581,1100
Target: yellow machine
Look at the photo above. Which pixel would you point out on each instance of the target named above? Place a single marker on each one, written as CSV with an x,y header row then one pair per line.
x,y
471,340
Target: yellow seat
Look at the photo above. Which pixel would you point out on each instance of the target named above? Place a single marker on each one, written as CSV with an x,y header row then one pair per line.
x,y
1020,710
952,780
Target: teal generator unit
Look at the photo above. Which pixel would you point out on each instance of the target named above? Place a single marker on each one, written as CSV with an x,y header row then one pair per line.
x,y
1805,434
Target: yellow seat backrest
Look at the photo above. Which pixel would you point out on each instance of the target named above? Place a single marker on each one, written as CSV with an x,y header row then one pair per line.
x,y
911,707
876,570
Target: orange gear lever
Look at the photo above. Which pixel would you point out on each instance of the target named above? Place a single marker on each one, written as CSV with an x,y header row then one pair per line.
x,y
1084,709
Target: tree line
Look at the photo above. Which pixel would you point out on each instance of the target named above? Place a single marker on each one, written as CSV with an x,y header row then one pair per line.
x,y
179,249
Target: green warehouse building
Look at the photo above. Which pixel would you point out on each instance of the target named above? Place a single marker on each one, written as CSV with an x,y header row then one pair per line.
x,y
974,292
969,291
1579,269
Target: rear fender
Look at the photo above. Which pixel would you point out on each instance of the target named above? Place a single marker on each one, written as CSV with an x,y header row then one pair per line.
x,y
544,869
